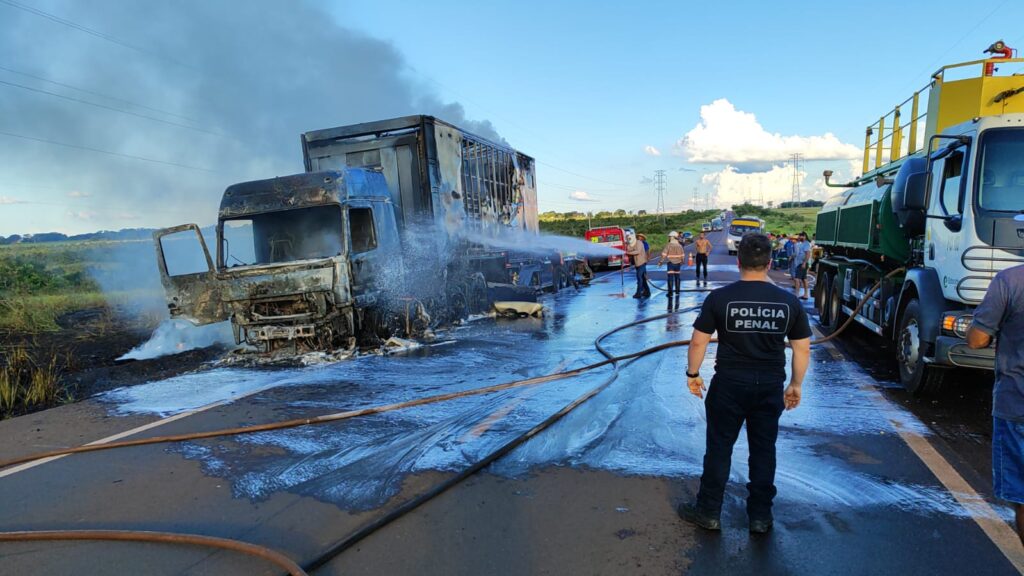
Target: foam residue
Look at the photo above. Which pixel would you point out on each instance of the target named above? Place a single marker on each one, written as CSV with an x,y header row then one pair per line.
x,y
177,336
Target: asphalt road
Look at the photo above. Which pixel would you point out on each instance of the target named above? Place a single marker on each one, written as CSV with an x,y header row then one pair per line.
x,y
866,486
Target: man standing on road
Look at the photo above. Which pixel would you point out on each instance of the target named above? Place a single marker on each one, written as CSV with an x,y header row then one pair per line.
x,y
703,246
638,255
1000,316
801,262
673,256
753,319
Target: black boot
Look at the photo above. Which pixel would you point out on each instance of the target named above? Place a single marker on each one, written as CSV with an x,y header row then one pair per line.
x,y
697,517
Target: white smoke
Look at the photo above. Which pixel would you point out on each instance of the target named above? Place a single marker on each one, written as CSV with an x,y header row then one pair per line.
x,y
177,336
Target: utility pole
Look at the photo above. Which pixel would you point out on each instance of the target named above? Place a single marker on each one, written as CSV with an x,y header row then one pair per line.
x,y
795,160
659,189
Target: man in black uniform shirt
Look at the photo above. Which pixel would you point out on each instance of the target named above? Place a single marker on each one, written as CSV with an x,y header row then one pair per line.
x,y
753,318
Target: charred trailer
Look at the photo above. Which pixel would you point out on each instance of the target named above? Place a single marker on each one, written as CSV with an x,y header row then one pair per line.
x,y
372,242
475,198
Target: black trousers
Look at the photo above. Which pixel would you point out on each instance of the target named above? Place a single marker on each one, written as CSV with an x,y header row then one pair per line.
x,y
731,402
702,260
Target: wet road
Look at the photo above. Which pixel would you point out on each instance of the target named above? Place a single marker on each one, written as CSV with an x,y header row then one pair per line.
x,y
865,486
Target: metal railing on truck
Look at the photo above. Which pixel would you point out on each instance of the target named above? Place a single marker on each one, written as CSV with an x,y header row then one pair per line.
x,y
892,138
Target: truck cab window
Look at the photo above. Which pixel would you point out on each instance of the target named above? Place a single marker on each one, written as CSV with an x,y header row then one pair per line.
x,y
948,174
1000,176
285,236
364,235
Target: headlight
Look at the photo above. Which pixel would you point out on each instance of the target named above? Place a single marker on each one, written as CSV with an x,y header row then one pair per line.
x,y
957,323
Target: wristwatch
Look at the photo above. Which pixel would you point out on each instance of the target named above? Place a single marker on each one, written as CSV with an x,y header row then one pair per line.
x,y
697,375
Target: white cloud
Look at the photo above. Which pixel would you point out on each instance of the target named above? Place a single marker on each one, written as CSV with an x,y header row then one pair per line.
x,y
7,200
651,151
727,135
78,194
730,186
581,196
81,214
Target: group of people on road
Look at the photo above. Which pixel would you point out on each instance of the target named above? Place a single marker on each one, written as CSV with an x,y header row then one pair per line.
x,y
673,256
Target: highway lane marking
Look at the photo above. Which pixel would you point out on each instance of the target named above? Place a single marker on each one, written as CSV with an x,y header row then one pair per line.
x,y
136,430
998,531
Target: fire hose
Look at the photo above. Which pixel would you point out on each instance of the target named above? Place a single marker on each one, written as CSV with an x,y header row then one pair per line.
x,y
408,506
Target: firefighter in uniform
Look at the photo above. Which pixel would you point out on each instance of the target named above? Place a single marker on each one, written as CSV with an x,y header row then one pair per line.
x,y
753,319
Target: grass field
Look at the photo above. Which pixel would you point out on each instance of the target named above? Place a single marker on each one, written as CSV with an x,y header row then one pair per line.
x,y
781,220
39,283
653,226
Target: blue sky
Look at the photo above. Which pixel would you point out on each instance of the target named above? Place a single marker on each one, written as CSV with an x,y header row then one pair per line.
x,y
584,87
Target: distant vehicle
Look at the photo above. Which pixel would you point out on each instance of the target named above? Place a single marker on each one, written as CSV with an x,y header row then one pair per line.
x,y
687,237
611,236
740,226
705,227
716,224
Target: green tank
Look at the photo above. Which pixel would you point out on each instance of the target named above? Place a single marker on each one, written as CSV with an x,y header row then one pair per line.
x,y
860,222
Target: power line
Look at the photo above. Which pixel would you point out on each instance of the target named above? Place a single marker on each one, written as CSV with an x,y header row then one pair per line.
x,y
795,159
100,94
931,67
108,152
96,33
659,189
105,107
577,174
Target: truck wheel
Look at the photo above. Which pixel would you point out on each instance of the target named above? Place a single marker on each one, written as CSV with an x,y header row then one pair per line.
x,y
834,307
821,298
916,376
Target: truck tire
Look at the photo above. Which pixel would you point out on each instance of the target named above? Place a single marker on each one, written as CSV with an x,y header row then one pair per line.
x,y
917,377
821,294
833,304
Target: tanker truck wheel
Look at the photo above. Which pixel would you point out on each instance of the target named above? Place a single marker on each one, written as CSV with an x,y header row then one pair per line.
x,y
916,376
821,295
833,316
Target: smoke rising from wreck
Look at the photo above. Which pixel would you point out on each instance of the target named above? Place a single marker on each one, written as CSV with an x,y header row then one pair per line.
x,y
249,77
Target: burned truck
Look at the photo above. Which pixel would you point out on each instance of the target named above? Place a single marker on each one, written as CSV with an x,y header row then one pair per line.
x,y
395,228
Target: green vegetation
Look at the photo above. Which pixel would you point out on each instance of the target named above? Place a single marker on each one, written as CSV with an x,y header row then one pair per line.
x,y
39,283
576,224
778,220
782,220
30,380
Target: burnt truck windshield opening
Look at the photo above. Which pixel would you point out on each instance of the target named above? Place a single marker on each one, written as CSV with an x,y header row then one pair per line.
x,y
1000,171
275,237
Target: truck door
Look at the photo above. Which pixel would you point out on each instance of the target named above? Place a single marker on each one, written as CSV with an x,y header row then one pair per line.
x,y
945,238
373,243
187,273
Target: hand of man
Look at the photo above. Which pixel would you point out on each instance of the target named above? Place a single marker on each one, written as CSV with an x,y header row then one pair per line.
x,y
696,386
792,396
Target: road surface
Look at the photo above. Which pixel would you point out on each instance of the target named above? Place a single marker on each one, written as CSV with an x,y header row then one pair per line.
x,y
865,486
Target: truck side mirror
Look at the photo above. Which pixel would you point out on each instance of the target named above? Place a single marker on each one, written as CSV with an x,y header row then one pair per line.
x,y
954,223
916,192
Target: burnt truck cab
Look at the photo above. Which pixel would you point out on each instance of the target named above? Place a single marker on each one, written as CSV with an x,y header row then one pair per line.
x,y
299,259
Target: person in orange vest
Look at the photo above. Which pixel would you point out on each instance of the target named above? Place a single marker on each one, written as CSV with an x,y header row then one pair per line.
x,y
673,255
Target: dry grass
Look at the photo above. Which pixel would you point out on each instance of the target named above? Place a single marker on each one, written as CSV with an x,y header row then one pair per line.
x,y
30,314
29,381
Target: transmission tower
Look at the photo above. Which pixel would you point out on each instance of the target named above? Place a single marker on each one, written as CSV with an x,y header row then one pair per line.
x,y
795,160
659,189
